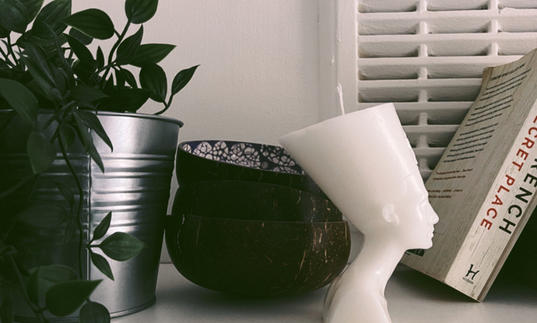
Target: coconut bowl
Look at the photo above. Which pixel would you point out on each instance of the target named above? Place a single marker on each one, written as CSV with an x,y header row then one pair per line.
x,y
254,201
256,257
245,161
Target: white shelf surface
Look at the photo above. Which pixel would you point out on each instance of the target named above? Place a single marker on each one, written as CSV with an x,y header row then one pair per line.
x,y
412,298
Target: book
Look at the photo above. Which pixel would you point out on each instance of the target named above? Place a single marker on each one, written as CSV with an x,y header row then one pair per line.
x,y
484,185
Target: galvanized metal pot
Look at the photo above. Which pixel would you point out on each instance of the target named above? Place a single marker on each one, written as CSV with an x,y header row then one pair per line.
x,y
134,187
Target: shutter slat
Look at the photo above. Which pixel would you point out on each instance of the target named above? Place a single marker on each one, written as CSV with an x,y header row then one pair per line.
x,y
428,57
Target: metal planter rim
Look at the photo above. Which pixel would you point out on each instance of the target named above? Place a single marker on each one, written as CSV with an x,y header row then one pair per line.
x,y
119,114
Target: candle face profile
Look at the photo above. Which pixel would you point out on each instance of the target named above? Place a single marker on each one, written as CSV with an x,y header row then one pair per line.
x,y
365,164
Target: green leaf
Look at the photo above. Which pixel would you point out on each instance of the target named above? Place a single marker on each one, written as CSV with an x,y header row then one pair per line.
x,y
140,11
129,77
44,277
102,228
66,297
102,264
125,99
6,311
53,14
121,246
3,32
12,15
94,313
127,49
100,58
40,151
64,63
87,94
81,51
68,134
151,54
91,121
83,71
182,78
44,37
20,99
87,141
6,250
15,15
93,22
120,79
80,36
153,79
32,7
50,119
109,85
86,65
60,79
36,60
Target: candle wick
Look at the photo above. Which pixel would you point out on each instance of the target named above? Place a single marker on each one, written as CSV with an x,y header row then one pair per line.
x,y
340,97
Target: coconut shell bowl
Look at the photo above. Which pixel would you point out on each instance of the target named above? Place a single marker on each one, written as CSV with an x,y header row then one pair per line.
x,y
234,160
255,257
247,220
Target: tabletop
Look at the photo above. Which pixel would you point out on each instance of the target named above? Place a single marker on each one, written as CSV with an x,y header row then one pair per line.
x,y
412,298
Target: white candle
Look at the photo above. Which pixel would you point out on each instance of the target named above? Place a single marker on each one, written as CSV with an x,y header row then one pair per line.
x,y
365,164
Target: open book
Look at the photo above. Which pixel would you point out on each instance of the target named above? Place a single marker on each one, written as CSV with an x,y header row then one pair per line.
x,y
484,185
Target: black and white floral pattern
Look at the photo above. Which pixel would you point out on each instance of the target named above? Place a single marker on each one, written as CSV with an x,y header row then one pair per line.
x,y
259,156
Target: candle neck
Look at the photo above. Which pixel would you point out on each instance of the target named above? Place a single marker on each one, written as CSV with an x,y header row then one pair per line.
x,y
377,261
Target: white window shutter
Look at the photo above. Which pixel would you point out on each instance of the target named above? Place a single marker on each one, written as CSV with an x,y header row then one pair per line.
x,y
427,56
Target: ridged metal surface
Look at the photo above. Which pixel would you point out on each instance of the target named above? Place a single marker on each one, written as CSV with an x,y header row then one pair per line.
x,y
134,187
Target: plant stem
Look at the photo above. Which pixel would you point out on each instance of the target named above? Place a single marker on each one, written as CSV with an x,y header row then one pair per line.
x,y
111,65
167,105
79,208
119,39
112,51
10,50
38,313
6,57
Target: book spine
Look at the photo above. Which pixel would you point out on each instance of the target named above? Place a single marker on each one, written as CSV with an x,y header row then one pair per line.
x,y
501,217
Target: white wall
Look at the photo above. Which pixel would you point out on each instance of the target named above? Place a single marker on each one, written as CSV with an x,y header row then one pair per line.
x,y
259,73
258,77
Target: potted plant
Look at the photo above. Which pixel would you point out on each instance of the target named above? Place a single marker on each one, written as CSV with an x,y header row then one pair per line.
x,y
84,181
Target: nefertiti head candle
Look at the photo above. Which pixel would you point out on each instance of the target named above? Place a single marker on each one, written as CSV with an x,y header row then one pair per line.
x,y
365,164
